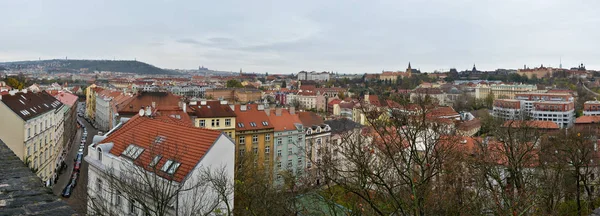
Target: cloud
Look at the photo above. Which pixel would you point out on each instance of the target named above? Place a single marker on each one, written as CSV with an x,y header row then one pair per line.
x,y
188,41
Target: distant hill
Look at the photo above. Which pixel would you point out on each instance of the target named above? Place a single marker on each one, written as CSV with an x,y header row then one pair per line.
x,y
58,65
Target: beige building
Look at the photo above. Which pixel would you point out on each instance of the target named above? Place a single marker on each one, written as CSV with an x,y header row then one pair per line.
x,y
503,91
32,128
539,72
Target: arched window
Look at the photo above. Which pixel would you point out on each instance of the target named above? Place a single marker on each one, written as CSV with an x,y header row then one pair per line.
x,y
99,154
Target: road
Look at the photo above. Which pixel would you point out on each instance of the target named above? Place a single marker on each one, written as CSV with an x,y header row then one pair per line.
x,y
78,199
587,89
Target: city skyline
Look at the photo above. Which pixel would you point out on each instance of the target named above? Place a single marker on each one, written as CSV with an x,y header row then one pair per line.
x,y
279,37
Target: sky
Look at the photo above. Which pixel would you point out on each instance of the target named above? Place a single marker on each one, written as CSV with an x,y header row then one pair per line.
x,y
282,36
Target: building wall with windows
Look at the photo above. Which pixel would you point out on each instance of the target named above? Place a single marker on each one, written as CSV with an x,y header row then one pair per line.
x,y
225,124
591,108
254,134
35,140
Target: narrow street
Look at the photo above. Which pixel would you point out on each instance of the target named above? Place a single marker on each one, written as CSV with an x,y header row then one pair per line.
x,y
78,199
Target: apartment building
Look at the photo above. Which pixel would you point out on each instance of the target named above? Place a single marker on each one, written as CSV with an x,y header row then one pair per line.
x,y
163,154
289,148
508,109
315,76
503,91
556,107
317,136
32,127
142,100
254,133
216,115
591,108
90,100
308,100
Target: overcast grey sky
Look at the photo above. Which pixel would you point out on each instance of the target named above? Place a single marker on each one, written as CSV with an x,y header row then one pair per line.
x,y
289,36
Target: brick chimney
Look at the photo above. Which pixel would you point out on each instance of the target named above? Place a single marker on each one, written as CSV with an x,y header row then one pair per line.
x,y
292,110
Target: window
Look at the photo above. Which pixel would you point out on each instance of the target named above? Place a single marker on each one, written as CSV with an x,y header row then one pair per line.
x,y
99,154
242,140
227,122
118,198
267,137
278,164
290,139
252,124
202,123
35,147
218,122
299,137
46,123
264,123
241,125
267,149
289,151
278,177
35,163
170,167
299,161
212,122
155,160
242,151
35,131
99,186
45,155
279,153
254,138
28,132
308,164
255,150
279,141
289,164
132,151
132,208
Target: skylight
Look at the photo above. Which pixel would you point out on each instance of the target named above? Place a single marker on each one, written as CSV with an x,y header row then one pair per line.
x,y
241,125
265,123
252,124
155,160
132,151
159,139
170,167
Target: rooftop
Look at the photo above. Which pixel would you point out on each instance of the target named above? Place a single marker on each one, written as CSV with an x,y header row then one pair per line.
x,y
533,124
28,105
144,99
212,109
183,143
21,191
251,118
587,120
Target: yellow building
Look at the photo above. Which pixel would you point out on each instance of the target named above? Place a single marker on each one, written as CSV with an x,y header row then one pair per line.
x,y
216,115
90,100
502,91
254,133
32,128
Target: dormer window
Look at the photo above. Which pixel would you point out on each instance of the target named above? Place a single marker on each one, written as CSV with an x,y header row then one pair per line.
x,y
252,124
309,131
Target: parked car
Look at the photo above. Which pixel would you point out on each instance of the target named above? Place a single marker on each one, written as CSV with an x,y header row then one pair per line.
x,y
74,179
77,166
66,193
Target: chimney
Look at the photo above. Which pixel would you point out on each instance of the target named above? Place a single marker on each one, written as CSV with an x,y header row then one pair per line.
x,y
292,110
243,107
202,102
153,104
184,108
223,102
232,106
268,111
25,90
12,92
278,111
261,107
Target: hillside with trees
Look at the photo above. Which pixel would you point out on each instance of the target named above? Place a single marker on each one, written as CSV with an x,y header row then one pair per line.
x,y
58,65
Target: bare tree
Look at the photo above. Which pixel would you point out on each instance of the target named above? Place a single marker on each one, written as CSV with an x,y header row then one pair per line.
x,y
505,166
152,190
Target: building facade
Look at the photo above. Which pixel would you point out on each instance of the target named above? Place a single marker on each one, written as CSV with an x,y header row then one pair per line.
x,y
32,126
502,91
591,108
556,107
254,134
216,115
289,148
315,76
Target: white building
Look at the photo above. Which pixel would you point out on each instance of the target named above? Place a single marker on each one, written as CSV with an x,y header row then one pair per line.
x,y
556,107
168,151
316,76
32,127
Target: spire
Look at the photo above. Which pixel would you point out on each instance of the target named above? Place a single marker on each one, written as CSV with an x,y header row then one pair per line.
x,y
474,68
240,72
409,66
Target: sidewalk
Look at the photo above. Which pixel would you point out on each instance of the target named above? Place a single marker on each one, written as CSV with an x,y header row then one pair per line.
x,y
65,176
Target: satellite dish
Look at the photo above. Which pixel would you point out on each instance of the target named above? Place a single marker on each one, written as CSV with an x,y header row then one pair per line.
x,y
141,112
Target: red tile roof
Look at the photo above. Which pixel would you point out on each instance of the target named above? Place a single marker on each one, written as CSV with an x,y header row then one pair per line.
x,y
212,109
66,98
185,144
374,100
285,121
533,124
244,119
310,119
29,105
145,99
334,101
587,120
